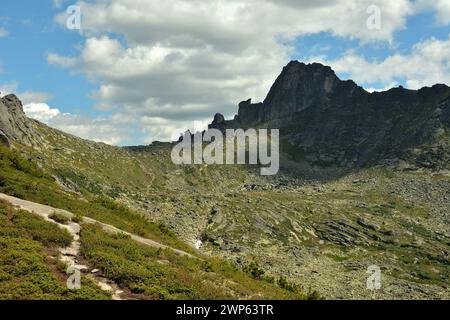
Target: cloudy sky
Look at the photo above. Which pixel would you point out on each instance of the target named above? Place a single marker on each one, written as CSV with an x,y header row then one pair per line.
x,y
143,70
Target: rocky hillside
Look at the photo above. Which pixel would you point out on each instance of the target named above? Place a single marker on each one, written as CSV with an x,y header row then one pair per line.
x,y
328,121
319,223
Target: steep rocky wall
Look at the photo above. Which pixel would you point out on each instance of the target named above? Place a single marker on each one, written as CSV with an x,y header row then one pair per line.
x,y
14,124
331,121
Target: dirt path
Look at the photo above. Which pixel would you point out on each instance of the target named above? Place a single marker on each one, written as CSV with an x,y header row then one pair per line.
x,y
111,229
69,255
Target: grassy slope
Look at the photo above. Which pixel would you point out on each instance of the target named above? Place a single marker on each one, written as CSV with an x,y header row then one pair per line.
x,y
287,232
143,178
22,179
149,171
136,267
161,274
29,268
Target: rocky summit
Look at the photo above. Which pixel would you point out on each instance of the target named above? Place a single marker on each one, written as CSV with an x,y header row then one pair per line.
x,y
328,121
14,125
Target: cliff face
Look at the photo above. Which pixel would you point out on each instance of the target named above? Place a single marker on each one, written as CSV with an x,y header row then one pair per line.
x,y
14,125
297,88
331,121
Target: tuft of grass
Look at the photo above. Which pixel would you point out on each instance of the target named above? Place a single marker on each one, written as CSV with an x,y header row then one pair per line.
x,y
59,217
77,218
15,160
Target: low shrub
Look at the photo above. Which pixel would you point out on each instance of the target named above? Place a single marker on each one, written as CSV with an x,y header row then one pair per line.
x,y
29,268
77,218
59,217
254,270
162,274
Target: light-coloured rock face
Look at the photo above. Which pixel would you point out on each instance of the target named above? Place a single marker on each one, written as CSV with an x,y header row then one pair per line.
x,y
4,139
14,124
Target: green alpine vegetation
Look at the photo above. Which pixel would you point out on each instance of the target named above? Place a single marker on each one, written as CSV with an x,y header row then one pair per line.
x,y
151,273
23,179
29,265
143,272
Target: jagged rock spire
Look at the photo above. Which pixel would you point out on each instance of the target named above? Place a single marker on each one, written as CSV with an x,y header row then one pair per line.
x,y
332,121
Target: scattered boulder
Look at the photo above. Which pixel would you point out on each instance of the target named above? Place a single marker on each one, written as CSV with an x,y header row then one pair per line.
x,y
367,224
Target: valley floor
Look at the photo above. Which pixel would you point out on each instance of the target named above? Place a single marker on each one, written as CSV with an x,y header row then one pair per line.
x,y
319,231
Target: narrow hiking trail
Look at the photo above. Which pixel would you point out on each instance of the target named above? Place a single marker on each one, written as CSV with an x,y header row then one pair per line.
x,y
70,254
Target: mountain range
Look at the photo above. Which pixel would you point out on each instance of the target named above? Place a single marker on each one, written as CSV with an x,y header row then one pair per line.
x,y
335,122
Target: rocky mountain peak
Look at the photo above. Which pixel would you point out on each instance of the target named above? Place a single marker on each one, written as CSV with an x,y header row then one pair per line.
x,y
14,124
308,78
331,121
298,87
13,103
218,122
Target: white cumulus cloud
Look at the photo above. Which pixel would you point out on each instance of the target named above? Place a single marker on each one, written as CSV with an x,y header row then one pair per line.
x,y
176,61
7,88
440,7
3,32
100,129
34,97
427,64
40,111
168,63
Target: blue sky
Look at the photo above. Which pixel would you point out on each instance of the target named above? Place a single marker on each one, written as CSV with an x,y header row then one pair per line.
x,y
142,72
32,34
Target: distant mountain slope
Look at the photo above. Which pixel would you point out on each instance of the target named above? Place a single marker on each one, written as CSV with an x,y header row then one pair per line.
x,y
143,177
143,268
330,121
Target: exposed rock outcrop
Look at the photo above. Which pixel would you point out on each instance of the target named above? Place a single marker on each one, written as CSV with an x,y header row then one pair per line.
x,y
333,122
14,124
218,122
4,140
